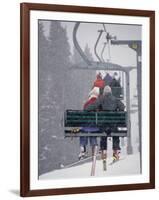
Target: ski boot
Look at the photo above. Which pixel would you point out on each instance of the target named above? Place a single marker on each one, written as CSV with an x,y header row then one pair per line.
x,y
116,156
83,153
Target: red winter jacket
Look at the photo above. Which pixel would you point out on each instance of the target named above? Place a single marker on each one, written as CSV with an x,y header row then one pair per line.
x,y
99,83
89,102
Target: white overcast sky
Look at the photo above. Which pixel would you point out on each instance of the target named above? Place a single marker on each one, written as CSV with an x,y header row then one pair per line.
x,y
88,34
121,55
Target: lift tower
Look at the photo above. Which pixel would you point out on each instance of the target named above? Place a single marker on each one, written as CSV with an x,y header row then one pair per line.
x,y
136,46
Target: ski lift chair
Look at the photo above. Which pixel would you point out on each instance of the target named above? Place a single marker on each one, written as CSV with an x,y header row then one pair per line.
x,y
79,123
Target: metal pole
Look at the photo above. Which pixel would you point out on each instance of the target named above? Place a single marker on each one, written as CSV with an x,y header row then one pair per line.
x,y
139,86
136,46
129,142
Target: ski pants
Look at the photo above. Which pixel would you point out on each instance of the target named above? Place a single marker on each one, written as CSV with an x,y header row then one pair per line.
x,y
84,141
116,143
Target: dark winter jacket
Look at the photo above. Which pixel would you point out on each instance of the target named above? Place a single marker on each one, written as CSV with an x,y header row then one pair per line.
x,y
107,79
107,102
115,83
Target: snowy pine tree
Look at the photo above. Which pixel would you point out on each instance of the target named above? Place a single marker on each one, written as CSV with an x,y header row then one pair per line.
x,y
53,63
54,95
88,52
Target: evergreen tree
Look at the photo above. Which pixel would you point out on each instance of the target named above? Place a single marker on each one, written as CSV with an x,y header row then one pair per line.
x,y
88,52
42,122
76,58
53,64
43,57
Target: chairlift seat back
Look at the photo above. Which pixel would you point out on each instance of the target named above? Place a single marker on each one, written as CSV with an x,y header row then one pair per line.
x,y
94,123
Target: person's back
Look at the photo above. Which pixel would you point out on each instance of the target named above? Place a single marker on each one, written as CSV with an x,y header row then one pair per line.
x,y
115,83
99,82
107,102
107,79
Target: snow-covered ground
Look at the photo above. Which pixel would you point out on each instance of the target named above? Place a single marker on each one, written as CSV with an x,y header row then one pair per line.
x,y
128,165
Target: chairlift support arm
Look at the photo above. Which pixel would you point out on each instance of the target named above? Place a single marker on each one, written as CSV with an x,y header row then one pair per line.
x,y
77,46
93,65
95,47
103,51
133,44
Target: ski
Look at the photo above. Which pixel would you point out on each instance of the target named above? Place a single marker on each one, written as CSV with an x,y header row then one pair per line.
x,y
116,161
94,161
104,165
79,162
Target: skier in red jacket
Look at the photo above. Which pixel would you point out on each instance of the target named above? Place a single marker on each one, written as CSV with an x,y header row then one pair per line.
x,y
92,97
99,82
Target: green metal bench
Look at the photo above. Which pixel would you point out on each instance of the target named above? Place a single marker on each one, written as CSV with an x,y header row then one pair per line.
x,y
79,123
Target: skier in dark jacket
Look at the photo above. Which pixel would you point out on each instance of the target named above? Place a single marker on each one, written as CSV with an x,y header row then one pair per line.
x,y
115,81
108,102
107,79
116,86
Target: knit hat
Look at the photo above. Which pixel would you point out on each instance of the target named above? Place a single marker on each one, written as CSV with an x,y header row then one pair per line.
x,y
94,92
107,90
99,76
116,75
